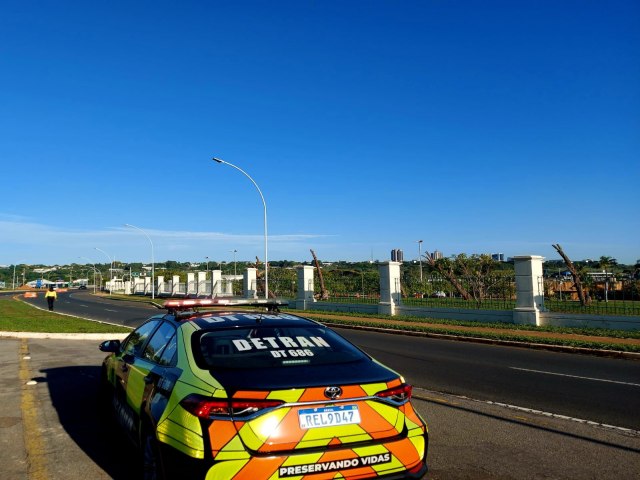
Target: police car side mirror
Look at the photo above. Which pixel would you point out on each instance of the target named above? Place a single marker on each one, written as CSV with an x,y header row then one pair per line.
x,y
110,346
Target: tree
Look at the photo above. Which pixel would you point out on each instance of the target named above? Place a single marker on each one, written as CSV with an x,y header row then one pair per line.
x,y
324,294
446,268
476,271
605,263
574,274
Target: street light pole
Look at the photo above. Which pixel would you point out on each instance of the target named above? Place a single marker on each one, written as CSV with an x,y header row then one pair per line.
x,y
110,269
153,285
420,257
207,277
266,250
234,262
14,272
93,265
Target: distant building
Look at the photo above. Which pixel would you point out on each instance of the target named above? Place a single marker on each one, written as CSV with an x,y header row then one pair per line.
x,y
602,276
44,283
397,255
499,257
45,269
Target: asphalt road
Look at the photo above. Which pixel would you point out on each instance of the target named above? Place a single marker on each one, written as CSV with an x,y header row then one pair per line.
x,y
82,303
50,428
597,389
603,390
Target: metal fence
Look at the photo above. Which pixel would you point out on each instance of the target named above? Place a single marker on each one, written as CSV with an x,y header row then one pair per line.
x,y
348,286
165,288
233,286
282,283
606,295
491,292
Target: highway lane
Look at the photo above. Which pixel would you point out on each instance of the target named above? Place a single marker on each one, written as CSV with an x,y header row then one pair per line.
x,y
82,303
603,390
597,389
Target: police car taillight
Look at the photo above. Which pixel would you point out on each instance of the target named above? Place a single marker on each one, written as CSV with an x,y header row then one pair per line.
x,y
207,407
399,394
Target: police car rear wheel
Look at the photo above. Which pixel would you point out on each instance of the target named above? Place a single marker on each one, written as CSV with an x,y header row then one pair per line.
x,y
151,459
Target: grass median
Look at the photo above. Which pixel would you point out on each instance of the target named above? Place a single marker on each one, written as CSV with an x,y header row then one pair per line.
x,y
592,338
17,316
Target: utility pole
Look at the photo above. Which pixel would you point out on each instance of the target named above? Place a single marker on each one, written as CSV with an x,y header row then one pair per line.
x,y
420,257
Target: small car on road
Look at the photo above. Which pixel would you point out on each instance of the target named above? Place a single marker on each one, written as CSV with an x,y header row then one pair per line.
x,y
224,391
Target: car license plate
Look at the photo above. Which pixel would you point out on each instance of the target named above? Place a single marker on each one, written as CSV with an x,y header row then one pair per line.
x,y
328,416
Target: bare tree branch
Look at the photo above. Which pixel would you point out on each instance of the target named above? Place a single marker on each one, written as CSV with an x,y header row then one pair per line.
x,y
574,274
446,270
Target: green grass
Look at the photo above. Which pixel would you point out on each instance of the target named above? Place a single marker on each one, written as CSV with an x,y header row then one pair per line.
x,y
593,332
519,334
17,316
492,335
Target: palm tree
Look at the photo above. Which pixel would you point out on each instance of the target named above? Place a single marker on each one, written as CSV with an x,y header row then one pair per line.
x,y
605,263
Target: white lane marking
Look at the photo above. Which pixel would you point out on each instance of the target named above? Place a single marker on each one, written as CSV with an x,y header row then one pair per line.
x,y
85,306
576,376
108,310
630,431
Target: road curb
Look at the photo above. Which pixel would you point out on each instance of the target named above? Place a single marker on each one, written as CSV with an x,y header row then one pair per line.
x,y
65,336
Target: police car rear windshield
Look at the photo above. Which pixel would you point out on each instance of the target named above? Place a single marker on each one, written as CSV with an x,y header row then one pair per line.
x,y
273,346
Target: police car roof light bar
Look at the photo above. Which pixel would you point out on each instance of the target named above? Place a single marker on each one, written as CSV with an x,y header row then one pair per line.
x,y
189,304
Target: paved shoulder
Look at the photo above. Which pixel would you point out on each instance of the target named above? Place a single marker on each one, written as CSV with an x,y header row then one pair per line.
x,y
13,457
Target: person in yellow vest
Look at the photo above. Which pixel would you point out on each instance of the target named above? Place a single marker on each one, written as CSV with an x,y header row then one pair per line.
x,y
51,297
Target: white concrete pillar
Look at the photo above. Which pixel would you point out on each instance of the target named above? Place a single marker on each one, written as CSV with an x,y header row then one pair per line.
x,y
138,284
175,282
127,287
249,284
191,283
529,289
306,286
216,282
147,285
389,288
200,287
227,287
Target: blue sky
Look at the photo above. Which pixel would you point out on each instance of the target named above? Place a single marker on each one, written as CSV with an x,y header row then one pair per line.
x,y
477,127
